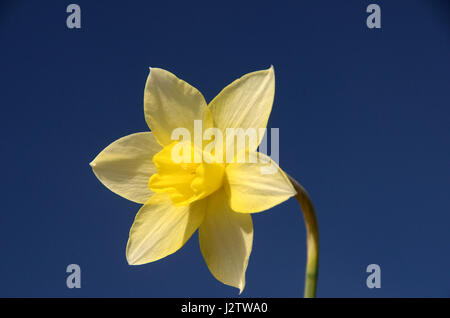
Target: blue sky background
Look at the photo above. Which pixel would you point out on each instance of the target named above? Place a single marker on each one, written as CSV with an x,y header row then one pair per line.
x,y
364,118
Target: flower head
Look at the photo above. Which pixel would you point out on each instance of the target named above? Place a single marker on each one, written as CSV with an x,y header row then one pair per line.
x,y
186,184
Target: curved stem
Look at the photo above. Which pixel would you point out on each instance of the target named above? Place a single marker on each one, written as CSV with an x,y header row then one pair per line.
x,y
312,238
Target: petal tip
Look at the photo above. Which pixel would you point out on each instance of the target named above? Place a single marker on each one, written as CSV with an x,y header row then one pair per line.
x,y
130,261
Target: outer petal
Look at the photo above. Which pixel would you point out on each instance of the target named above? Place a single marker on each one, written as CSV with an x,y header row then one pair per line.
x,y
255,187
125,166
226,239
245,103
160,228
170,103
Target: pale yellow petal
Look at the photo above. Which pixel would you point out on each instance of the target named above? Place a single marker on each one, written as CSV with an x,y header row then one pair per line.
x,y
170,103
255,187
245,103
125,166
160,228
226,239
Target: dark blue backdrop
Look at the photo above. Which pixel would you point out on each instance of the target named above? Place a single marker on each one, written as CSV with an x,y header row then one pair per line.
x,y
364,118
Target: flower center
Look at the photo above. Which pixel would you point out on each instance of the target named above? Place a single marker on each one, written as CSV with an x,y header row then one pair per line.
x,y
185,173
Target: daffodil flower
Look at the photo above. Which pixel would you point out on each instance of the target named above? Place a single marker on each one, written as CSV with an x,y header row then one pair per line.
x,y
215,197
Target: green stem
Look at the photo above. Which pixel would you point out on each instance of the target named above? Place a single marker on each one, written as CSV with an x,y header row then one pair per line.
x,y
312,239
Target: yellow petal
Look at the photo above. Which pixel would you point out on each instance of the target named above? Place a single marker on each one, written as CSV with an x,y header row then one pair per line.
x,y
185,181
226,239
125,166
174,178
255,187
208,179
245,103
170,103
160,228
